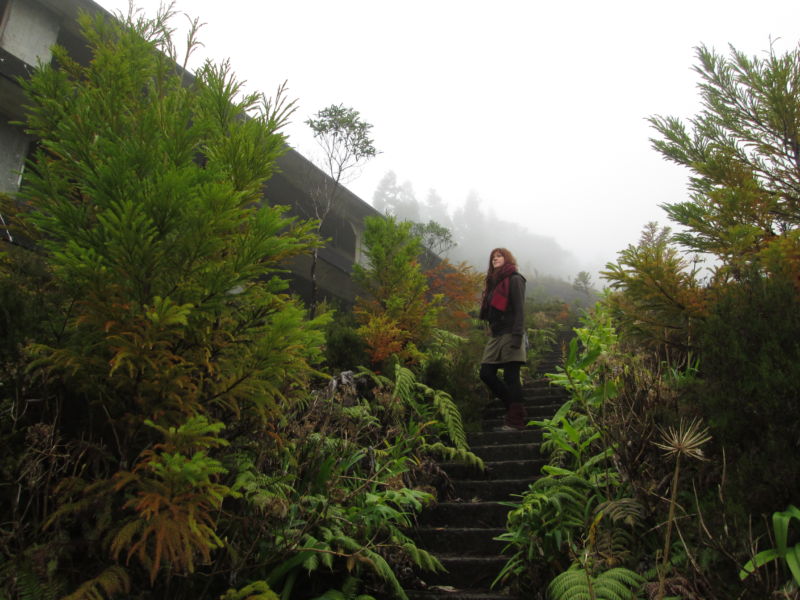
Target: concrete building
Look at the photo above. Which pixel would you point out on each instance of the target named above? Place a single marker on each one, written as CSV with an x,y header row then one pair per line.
x,y
27,31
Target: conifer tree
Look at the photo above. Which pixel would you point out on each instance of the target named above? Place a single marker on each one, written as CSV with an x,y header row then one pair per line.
x,y
744,153
397,315
144,199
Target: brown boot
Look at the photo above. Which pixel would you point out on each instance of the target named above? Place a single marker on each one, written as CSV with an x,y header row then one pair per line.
x,y
516,416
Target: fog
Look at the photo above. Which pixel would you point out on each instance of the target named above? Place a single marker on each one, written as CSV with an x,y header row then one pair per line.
x,y
536,109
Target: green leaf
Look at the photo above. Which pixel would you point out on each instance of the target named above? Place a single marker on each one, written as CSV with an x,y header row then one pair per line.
x,y
556,470
760,560
780,523
587,359
573,351
793,560
565,446
573,433
588,442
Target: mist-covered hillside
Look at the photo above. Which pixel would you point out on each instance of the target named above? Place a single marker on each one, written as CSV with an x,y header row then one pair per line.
x,y
477,229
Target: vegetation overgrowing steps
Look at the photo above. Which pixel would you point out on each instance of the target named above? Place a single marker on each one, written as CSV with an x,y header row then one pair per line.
x,y
461,531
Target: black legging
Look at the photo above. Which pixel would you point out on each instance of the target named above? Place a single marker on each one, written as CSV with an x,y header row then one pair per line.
x,y
509,392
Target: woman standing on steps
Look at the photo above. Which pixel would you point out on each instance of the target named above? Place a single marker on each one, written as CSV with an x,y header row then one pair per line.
x,y
503,306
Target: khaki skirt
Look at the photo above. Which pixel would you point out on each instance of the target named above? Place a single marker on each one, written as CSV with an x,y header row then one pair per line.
x,y
499,351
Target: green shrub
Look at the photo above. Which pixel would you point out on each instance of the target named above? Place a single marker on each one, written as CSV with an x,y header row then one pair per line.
x,y
26,287
456,373
344,347
750,396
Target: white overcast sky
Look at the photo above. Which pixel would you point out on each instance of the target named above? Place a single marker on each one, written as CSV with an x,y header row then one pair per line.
x,y
539,107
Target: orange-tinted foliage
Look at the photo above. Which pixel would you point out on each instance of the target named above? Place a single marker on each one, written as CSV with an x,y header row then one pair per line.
x,y
460,285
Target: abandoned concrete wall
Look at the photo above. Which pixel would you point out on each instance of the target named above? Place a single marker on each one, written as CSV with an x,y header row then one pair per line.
x,y
27,31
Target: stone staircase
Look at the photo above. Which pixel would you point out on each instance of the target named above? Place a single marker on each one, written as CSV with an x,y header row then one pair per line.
x,y
460,533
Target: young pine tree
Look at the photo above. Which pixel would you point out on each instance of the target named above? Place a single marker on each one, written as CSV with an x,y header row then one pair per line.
x,y
399,315
144,200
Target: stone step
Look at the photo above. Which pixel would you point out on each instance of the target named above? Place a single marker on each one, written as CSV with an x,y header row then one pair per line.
x,y
552,394
503,452
556,353
461,534
535,384
465,573
488,425
477,515
495,470
464,541
501,438
549,366
537,412
544,388
548,371
505,490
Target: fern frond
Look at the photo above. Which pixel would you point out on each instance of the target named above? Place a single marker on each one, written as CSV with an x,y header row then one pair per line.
x,y
404,384
346,543
385,571
445,341
412,551
463,456
379,380
614,584
627,510
445,404
112,581
29,583
311,563
428,562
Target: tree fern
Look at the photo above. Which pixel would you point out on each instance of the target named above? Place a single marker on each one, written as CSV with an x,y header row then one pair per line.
x,y
614,584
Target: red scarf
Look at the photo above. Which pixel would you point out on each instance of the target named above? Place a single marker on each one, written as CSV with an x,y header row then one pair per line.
x,y
501,289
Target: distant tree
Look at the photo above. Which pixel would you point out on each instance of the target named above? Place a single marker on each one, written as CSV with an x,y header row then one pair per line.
x,y
583,283
435,239
396,199
477,231
435,209
386,190
346,147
